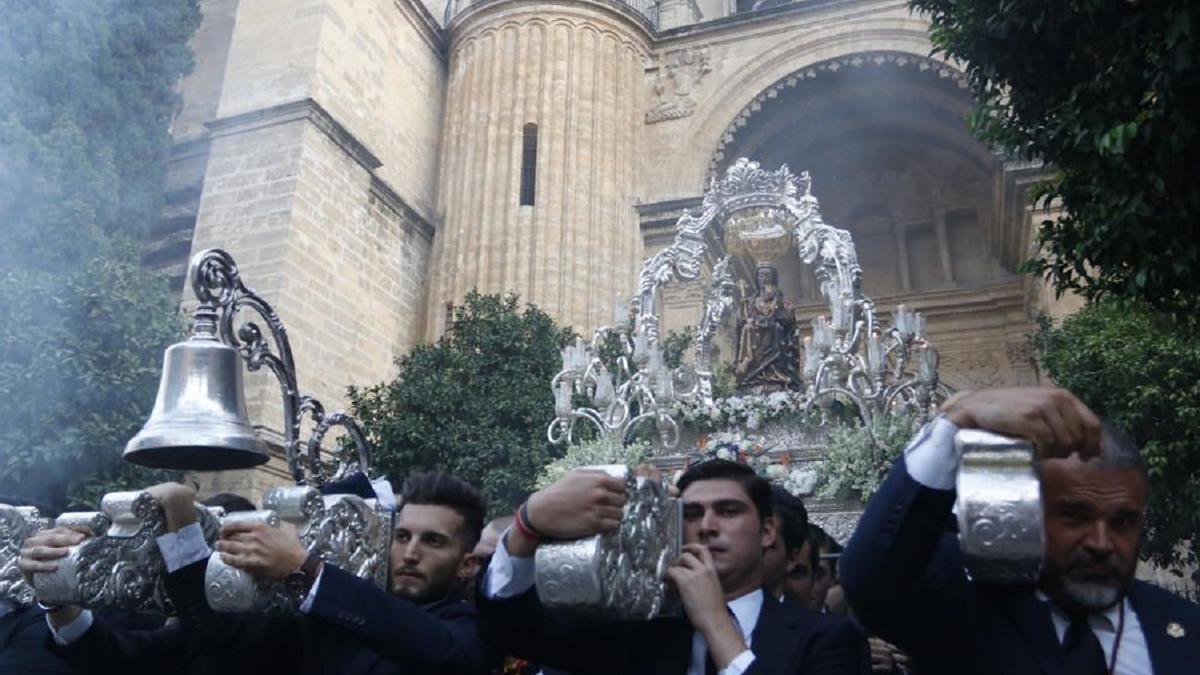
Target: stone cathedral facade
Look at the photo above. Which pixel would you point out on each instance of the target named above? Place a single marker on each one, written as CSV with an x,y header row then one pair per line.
x,y
368,162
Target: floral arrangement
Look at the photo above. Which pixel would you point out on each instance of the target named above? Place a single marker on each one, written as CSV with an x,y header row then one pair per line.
x,y
756,453
604,450
747,410
856,459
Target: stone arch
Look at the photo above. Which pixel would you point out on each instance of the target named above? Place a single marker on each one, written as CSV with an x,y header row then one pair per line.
x,y
721,107
797,78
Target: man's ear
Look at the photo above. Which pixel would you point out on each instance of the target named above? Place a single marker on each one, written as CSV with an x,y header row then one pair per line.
x,y
468,567
769,532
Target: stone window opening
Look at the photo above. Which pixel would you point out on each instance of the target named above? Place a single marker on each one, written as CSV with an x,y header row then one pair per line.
x,y
528,164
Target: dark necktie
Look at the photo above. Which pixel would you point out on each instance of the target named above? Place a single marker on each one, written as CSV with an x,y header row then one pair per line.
x,y
1082,652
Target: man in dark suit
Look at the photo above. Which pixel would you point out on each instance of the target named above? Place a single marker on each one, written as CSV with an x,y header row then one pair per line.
x,y
731,627
23,642
347,624
905,579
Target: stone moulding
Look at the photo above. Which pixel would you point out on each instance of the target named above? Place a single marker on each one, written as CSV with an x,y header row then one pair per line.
x,y
292,111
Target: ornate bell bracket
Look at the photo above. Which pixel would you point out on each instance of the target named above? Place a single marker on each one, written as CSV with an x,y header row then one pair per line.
x,y
216,324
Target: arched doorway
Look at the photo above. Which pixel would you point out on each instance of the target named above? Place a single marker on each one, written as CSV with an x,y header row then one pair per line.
x,y
885,137
886,140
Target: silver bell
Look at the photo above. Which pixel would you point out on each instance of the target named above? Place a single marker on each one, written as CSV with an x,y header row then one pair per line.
x,y
199,422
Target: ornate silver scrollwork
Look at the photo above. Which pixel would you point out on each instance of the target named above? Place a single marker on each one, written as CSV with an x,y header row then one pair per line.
x,y
121,567
345,530
717,306
17,523
1000,527
354,535
621,574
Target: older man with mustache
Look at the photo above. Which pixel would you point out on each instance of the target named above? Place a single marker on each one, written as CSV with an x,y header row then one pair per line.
x,y
904,575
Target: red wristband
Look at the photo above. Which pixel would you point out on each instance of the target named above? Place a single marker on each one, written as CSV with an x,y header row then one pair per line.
x,y
521,520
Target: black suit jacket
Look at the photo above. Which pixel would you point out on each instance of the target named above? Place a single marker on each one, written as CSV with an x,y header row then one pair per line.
x,y
23,635
786,639
904,577
353,629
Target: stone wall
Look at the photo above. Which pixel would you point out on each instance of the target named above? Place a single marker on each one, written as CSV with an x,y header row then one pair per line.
x,y
291,196
320,178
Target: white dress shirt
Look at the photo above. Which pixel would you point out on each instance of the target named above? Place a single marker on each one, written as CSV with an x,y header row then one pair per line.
x,y
508,576
932,460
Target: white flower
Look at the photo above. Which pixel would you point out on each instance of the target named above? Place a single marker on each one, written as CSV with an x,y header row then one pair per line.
x,y
776,471
724,453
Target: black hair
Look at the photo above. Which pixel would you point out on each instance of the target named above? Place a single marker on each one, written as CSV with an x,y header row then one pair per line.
x,y
757,488
793,518
230,502
441,489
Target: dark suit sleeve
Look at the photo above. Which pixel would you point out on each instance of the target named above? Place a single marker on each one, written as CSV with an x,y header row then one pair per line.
x,y
400,630
841,650
521,626
105,649
902,574
237,635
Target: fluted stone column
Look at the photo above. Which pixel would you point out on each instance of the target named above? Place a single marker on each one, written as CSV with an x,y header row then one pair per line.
x,y
575,69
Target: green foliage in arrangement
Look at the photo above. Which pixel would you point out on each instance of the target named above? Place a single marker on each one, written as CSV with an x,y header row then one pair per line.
x,y
857,459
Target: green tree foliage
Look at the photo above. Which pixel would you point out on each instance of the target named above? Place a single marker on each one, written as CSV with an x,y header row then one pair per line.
x,y
1106,92
1141,371
475,403
87,92
80,354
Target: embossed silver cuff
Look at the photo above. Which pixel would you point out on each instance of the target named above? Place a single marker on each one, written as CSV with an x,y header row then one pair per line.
x,y
1000,527
121,567
347,531
621,574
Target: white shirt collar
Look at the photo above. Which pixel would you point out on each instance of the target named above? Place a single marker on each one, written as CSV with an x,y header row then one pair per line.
x,y
1106,620
746,609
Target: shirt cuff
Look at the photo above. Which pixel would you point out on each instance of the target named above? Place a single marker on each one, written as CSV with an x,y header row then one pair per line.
x,y
72,631
931,458
182,548
507,576
739,664
384,494
307,605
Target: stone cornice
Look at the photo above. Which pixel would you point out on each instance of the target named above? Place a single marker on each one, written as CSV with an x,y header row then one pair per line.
x,y
425,23
303,109
309,109
735,21
384,193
